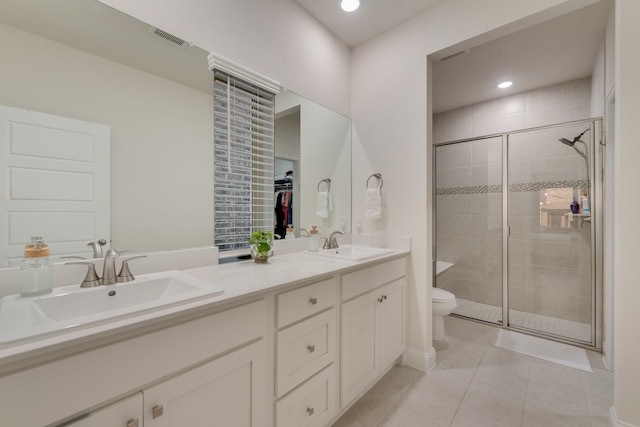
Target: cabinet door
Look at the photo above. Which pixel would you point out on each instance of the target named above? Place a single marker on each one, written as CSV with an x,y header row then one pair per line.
x,y
228,391
359,366
391,324
124,413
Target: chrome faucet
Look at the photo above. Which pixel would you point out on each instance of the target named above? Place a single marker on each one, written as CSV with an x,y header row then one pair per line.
x,y
306,231
332,242
109,276
109,268
96,247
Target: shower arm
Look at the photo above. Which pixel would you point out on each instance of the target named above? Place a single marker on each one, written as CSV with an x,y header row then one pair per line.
x,y
585,156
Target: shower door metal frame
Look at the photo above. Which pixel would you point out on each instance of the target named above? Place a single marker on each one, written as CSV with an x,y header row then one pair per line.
x,y
596,178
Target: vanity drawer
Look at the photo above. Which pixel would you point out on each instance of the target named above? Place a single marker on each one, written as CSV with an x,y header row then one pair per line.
x,y
304,349
311,405
306,301
362,281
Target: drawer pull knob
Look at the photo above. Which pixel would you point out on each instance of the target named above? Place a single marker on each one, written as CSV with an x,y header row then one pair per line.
x,y
132,423
310,411
157,411
384,297
380,300
313,300
311,348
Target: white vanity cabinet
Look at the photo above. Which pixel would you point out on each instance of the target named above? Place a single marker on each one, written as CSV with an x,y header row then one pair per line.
x,y
373,325
226,392
306,348
211,365
296,354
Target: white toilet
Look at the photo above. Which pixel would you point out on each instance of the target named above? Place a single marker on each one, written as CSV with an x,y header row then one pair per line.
x,y
444,303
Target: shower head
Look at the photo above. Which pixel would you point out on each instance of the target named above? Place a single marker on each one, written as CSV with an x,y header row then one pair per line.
x,y
567,142
576,139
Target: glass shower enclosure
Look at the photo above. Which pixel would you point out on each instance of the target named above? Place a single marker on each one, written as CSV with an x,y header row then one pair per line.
x,y
517,229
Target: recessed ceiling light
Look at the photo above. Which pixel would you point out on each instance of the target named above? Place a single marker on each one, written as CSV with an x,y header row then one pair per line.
x,y
505,85
350,5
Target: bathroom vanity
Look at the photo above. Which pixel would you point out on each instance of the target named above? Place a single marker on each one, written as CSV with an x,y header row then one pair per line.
x,y
294,342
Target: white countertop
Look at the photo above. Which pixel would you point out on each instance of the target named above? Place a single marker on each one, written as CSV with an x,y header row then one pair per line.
x,y
240,280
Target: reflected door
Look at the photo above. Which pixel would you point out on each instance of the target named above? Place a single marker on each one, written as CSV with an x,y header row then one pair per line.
x,y
54,183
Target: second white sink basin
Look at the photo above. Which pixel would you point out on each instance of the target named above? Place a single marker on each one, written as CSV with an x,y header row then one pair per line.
x,y
353,253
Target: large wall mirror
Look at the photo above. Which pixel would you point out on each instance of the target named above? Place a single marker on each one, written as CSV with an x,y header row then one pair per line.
x,y
83,60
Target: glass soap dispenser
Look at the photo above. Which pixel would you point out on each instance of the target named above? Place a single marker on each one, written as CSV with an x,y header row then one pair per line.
x,y
36,270
314,239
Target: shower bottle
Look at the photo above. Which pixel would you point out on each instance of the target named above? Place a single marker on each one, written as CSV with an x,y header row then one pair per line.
x,y
585,203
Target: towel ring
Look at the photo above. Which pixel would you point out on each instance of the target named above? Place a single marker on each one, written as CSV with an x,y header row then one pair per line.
x,y
327,181
377,176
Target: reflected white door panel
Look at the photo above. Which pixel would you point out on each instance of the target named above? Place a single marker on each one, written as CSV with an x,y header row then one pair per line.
x,y
54,183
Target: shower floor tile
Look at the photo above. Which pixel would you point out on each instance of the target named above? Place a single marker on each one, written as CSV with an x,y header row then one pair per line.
x,y
536,322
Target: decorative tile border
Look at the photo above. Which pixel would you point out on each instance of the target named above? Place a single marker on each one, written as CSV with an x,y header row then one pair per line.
x,y
513,188
576,184
476,189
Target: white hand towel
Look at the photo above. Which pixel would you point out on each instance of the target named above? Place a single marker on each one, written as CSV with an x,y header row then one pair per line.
x,y
374,203
322,204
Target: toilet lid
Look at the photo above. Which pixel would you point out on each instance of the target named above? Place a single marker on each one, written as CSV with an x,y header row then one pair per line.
x,y
440,295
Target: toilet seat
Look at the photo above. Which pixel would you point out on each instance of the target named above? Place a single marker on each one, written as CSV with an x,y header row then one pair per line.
x,y
440,295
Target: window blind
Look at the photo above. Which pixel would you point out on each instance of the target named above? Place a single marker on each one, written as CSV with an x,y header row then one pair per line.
x,y
243,116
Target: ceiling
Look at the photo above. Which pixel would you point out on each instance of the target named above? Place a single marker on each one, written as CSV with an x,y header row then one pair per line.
x,y
373,17
559,50
562,49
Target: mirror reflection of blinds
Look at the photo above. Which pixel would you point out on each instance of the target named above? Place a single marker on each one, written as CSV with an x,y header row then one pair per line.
x,y
243,139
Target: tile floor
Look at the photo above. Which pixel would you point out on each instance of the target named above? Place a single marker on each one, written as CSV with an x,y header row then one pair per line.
x,y
477,384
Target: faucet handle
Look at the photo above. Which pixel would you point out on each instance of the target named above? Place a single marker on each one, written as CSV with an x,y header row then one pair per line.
x,y
326,244
125,274
91,279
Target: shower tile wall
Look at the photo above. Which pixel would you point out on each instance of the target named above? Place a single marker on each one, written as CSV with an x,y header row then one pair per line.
x,y
559,103
549,273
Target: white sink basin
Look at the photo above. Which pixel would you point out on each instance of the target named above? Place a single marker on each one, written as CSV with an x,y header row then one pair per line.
x,y
353,253
72,306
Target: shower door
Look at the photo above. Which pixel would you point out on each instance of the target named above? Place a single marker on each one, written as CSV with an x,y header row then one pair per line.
x,y
507,242
551,289
469,218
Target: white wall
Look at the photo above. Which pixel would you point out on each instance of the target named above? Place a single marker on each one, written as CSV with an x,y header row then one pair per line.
x,y
147,198
392,135
608,211
287,142
292,47
325,152
627,233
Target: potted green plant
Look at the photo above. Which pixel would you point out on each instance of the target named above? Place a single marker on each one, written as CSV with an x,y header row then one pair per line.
x,y
261,244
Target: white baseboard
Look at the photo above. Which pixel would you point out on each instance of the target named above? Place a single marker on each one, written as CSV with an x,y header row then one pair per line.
x,y
420,360
613,416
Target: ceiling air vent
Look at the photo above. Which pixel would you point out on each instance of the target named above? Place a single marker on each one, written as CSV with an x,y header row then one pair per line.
x,y
454,55
168,37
